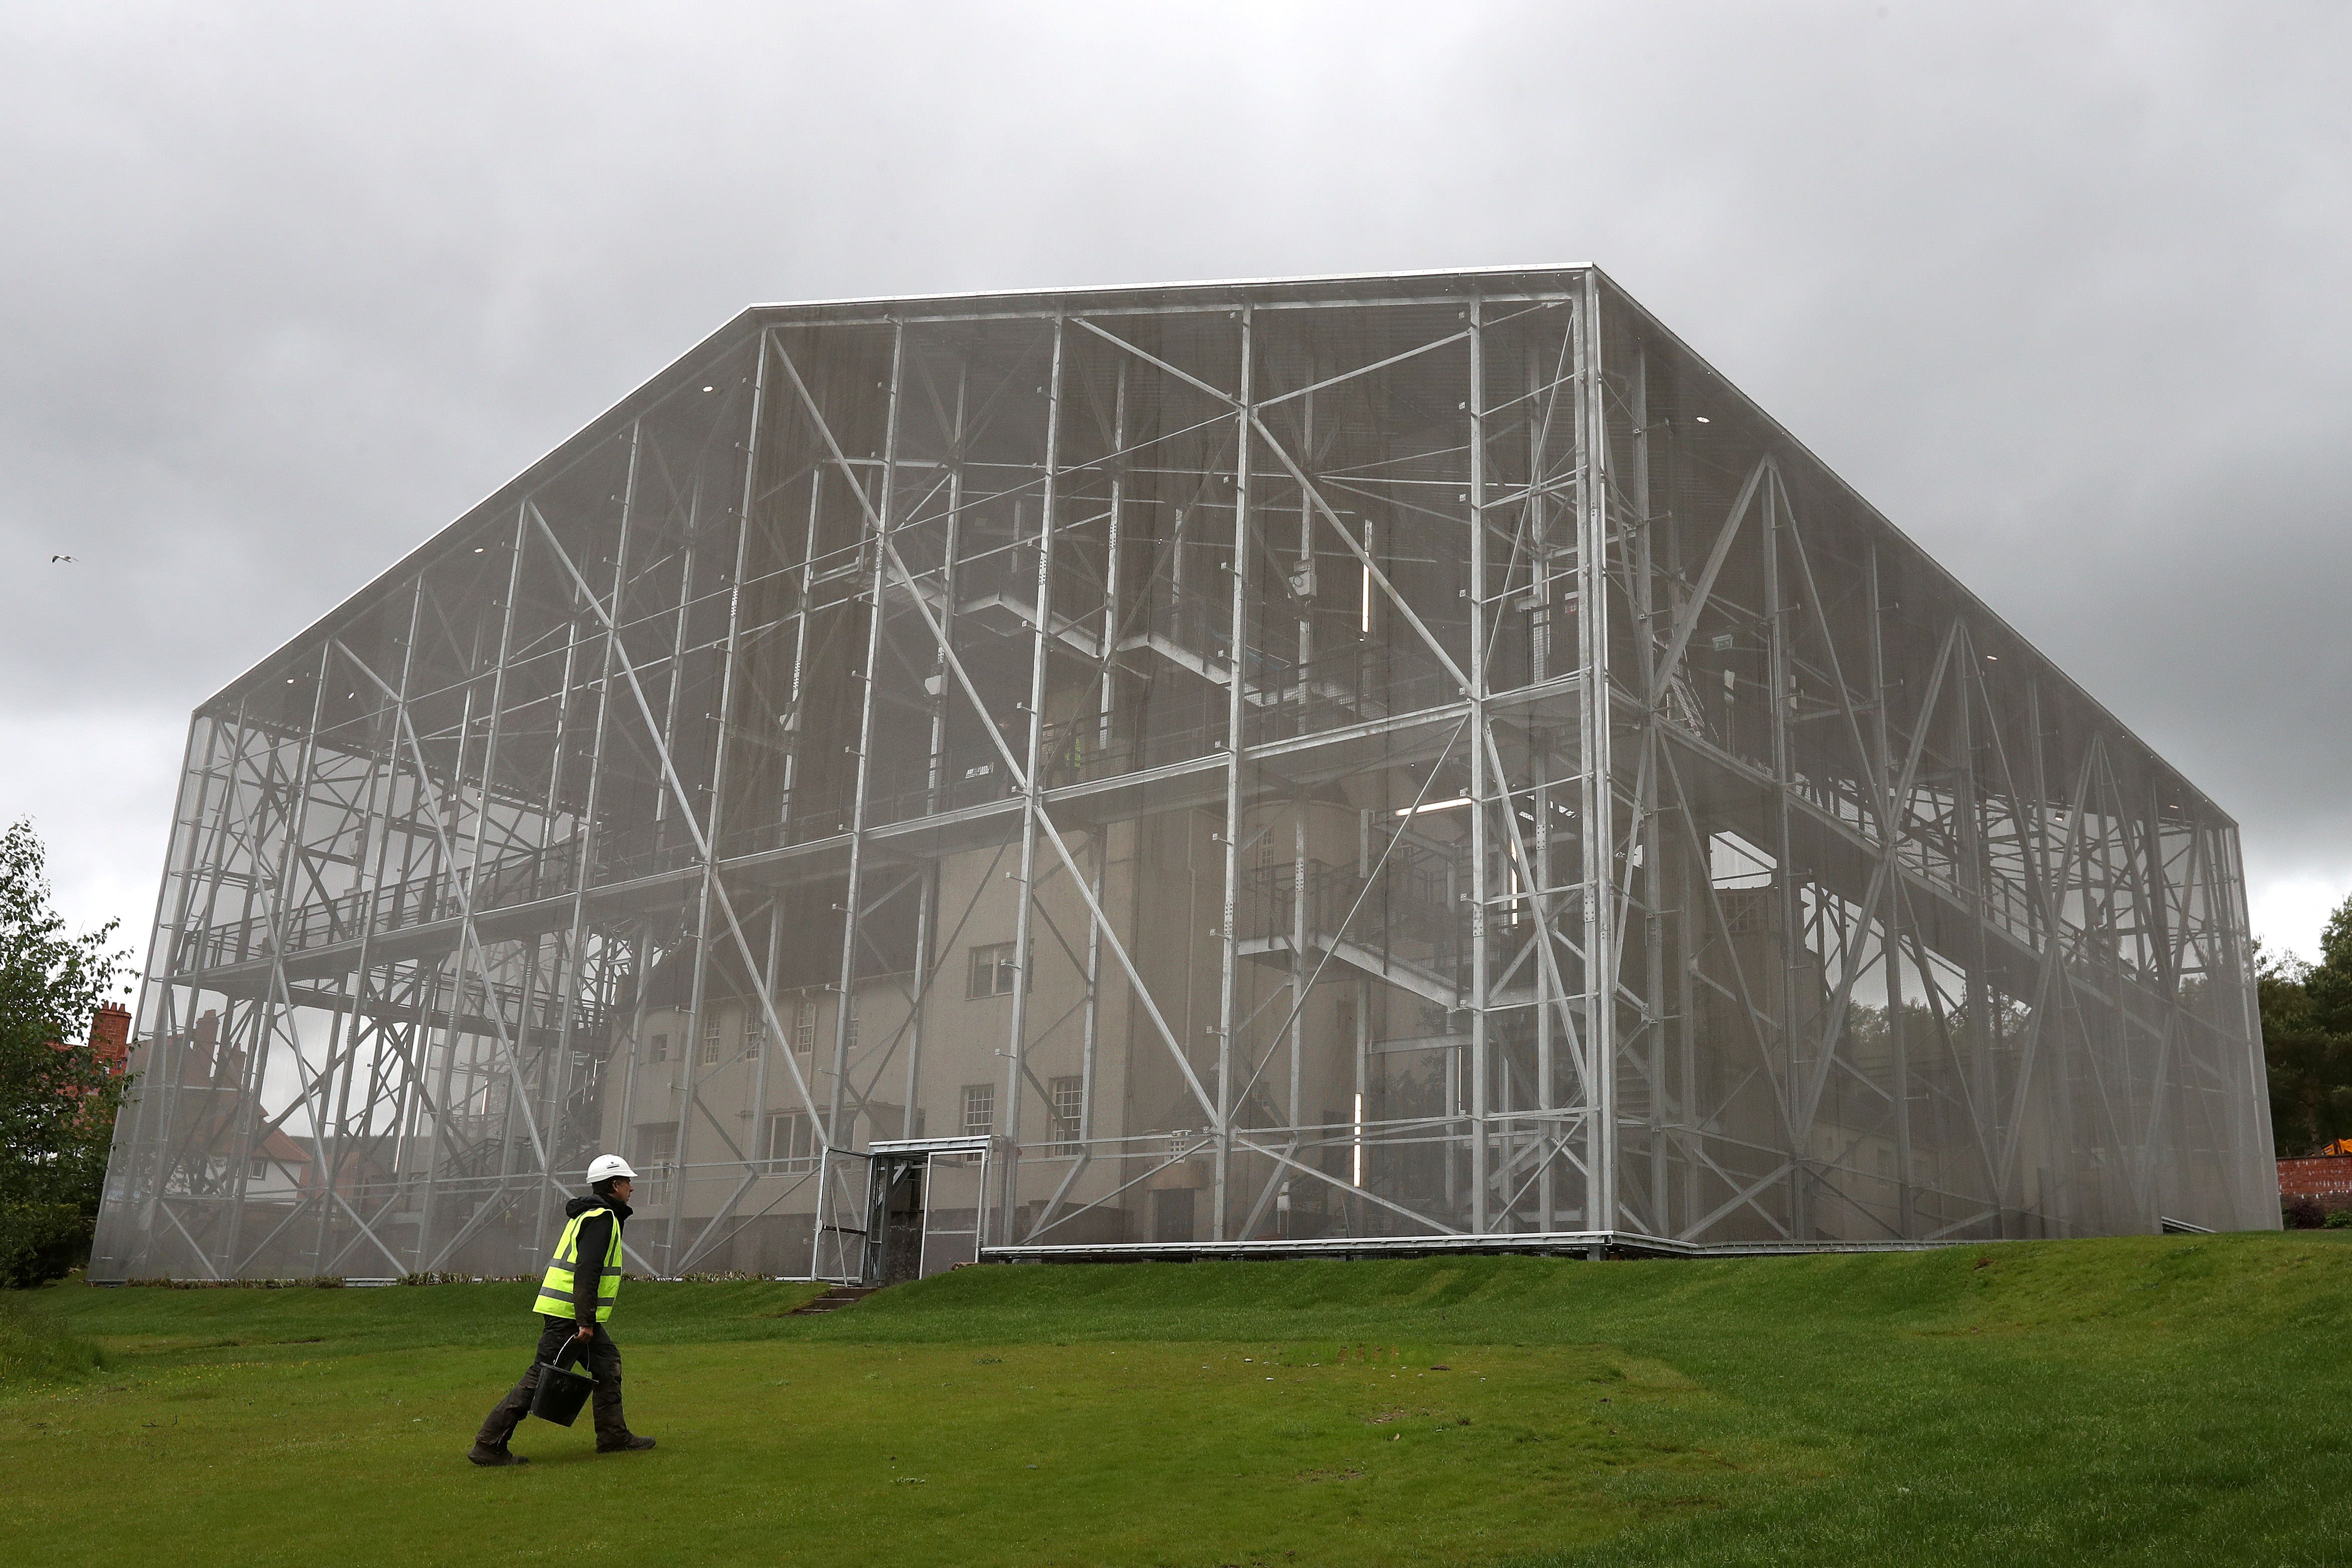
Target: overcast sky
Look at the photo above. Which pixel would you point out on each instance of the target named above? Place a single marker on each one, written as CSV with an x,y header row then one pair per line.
x,y
2063,288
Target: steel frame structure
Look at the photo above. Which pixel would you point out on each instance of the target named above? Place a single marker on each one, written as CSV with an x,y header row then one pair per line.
x,y
1328,764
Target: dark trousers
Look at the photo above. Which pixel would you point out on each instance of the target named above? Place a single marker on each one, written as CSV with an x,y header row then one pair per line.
x,y
604,1361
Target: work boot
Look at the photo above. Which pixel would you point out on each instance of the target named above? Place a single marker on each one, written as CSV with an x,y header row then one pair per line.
x,y
485,1454
629,1445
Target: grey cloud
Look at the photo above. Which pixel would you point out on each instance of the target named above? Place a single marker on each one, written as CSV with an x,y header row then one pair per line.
x,y
2058,288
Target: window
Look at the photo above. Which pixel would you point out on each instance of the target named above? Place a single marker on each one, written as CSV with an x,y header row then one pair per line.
x,y
657,1146
710,1039
993,973
790,1147
755,1030
804,1026
660,1051
257,1169
978,1109
1066,1096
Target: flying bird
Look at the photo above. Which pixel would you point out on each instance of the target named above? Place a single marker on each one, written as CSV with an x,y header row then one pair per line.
x,y
68,559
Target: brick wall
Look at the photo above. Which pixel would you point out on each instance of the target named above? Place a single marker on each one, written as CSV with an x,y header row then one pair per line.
x,y
2322,1176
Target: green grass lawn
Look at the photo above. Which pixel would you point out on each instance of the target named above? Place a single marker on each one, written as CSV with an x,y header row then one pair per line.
x,y
2140,1400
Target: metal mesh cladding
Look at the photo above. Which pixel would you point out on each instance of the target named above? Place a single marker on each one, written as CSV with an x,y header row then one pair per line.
x,y
1331,764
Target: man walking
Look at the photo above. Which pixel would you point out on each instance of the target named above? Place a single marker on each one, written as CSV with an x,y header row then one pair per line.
x,y
575,1301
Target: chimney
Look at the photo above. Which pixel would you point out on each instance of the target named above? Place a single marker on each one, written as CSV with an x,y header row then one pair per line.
x,y
109,1034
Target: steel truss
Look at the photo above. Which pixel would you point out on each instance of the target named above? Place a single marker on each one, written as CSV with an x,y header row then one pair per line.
x,y
1412,762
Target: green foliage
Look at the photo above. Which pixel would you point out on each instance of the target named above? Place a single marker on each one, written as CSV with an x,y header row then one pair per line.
x,y
2306,1017
2328,983
2341,1219
57,1105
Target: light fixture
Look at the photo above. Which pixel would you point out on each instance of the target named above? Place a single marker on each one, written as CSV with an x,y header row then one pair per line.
x,y
1702,418
1994,657
706,389
1434,805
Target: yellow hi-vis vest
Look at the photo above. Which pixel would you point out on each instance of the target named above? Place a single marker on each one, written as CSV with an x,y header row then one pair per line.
x,y
556,1292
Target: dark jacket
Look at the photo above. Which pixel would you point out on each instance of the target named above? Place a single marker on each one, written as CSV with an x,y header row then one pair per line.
x,y
595,1240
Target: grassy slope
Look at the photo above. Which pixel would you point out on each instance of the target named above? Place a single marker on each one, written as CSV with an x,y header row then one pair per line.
x,y
2136,1400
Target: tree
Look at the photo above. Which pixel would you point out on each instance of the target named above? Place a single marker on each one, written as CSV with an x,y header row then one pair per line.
x,y
58,1096
2328,983
2307,1013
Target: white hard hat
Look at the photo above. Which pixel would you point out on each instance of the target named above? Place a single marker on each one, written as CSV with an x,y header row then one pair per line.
x,y
604,1166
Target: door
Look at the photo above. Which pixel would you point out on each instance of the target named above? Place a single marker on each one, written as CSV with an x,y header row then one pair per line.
x,y
844,1207
955,1216
895,1224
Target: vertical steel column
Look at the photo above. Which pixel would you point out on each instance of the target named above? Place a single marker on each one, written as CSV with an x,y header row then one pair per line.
x,y
1237,648
2154,927
521,1097
1978,1043
583,850
1090,1044
880,524
1597,770
927,914
667,741
1542,758
449,872
1112,561
592,845
934,777
1890,832
1778,676
2045,925
1486,793
1109,649
795,735
1032,787
1653,872
771,1041
687,1089
1303,582
1298,969
729,660
518,1092
438,868
2238,937
1363,1041
410,1100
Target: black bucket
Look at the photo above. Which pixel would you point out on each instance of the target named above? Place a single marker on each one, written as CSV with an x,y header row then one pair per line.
x,y
560,1394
